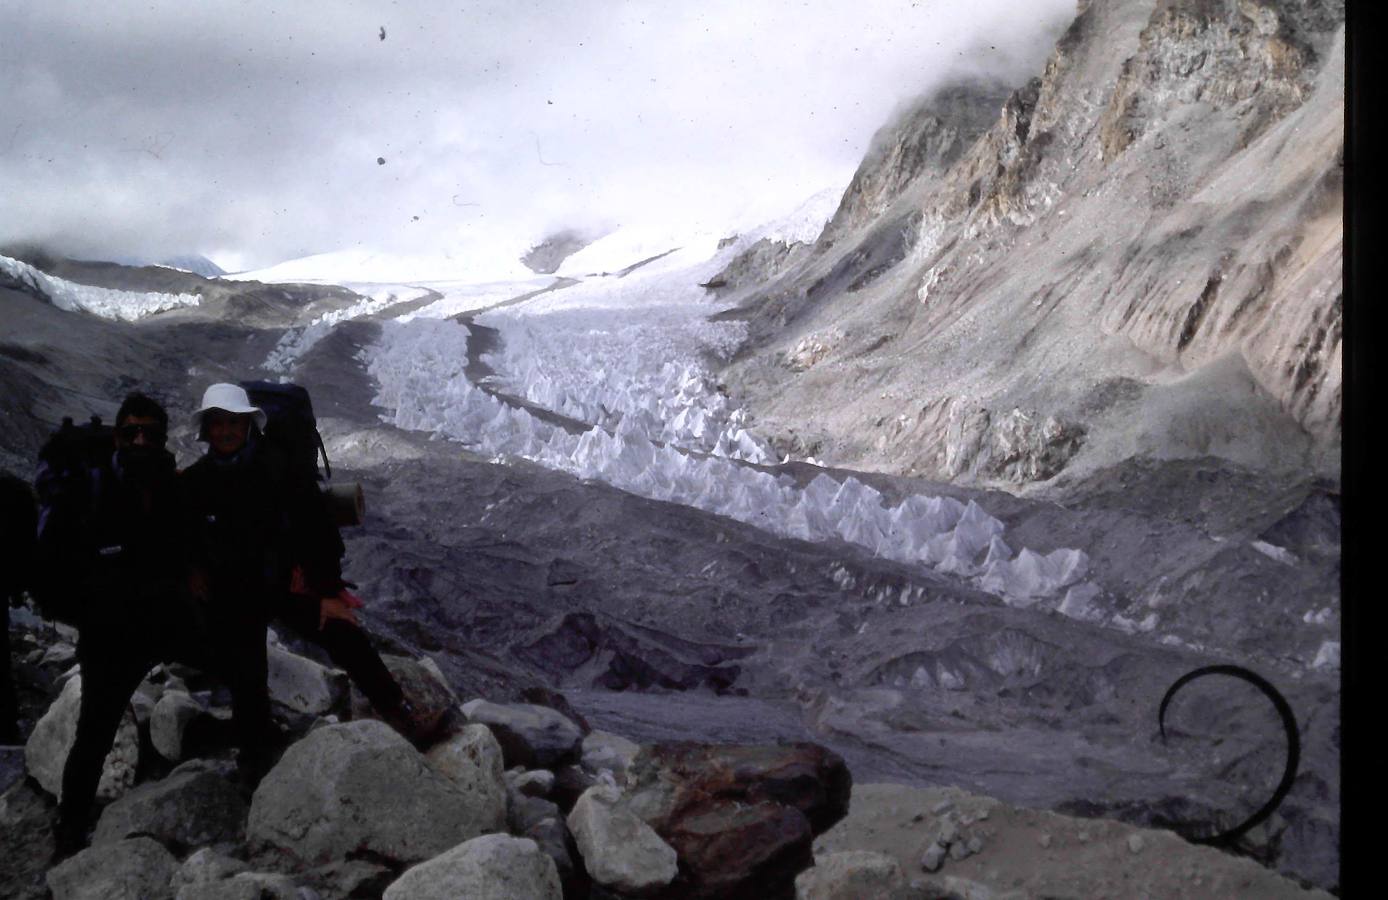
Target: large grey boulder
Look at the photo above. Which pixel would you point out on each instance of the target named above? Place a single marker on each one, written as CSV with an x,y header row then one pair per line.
x,y
137,869
359,789
850,875
46,752
169,721
493,867
619,850
535,737
302,689
196,805
471,759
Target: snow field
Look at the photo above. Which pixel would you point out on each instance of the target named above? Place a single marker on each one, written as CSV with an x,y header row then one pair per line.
x,y
489,256
419,367
126,306
466,297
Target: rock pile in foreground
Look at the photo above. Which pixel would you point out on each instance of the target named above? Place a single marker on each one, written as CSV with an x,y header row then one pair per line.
x,y
511,800
489,800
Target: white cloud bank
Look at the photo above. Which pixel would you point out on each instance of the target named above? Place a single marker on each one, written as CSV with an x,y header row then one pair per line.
x,y
251,131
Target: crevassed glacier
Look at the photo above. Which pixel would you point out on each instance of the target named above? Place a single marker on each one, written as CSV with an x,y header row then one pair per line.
x,y
108,303
419,367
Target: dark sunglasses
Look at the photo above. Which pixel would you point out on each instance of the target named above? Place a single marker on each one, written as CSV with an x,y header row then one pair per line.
x,y
153,433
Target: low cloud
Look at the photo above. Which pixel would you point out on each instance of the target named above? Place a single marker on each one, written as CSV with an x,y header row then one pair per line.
x,y
253,131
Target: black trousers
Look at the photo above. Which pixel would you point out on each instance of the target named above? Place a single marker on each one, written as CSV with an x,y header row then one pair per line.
x,y
230,646
347,646
116,655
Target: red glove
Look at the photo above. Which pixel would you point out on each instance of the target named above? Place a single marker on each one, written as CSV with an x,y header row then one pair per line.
x,y
338,606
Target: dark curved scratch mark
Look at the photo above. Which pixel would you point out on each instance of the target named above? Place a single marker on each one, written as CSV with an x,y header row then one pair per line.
x,y
1284,711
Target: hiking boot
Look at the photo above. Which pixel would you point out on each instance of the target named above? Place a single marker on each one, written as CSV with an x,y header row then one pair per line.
x,y
69,838
409,723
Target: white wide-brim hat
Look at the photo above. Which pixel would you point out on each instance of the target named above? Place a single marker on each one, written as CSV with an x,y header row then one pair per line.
x,y
228,398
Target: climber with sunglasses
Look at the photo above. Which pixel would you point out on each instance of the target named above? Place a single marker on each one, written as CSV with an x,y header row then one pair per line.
x,y
113,559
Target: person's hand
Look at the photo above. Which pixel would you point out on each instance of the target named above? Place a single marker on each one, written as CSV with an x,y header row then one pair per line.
x,y
339,606
298,584
198,585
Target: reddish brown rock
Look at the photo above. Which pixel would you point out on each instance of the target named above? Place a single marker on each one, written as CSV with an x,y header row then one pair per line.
x,y
665,780
741,817
733,851
427,691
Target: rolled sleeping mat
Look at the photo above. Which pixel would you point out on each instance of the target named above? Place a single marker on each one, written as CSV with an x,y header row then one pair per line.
x,y
347,502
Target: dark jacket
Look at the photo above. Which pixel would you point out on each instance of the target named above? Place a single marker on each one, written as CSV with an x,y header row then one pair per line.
x,y
254,523
113,541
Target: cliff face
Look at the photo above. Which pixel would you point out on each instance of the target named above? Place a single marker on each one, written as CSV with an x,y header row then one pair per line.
x,y
924,140
1136,253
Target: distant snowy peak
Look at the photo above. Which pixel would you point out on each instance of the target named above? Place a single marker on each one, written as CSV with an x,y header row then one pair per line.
x,y
191,263
198,265
575,252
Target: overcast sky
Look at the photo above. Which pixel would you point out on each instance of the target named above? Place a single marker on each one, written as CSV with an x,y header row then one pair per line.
x,y
251,131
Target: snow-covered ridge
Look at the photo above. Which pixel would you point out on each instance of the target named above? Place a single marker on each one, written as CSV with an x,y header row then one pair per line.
x,y
493,259
419,367
108,303
295,342
806,222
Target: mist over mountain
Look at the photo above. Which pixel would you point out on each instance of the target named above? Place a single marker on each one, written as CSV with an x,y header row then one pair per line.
x,y
952,466
1141,255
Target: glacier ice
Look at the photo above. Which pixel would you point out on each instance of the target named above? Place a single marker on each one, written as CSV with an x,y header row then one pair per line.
x,y
650,377
107,303
419,368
